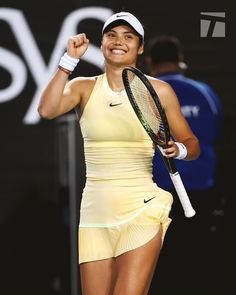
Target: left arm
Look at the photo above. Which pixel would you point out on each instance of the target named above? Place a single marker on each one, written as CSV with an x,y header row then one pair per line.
x,y
179,127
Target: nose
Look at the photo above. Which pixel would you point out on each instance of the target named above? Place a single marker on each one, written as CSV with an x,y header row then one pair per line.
x,y
118,40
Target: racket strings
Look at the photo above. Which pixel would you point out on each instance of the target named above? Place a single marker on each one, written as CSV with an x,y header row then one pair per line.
x,y
148,108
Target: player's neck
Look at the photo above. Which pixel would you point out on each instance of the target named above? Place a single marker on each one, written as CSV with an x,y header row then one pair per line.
x,y
114,79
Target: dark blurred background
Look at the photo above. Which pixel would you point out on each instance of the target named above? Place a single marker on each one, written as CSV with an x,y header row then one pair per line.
x,y
35,191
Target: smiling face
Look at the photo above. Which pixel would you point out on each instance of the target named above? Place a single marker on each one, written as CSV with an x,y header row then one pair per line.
x,y
121,46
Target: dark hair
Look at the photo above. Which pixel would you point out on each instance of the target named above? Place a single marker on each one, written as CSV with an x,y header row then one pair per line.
x,y
164,48
120,23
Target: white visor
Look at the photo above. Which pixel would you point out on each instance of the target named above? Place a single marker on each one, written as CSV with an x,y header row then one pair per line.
x,y
128,18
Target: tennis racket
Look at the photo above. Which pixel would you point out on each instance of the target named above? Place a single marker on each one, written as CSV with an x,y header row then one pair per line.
x,y
151,114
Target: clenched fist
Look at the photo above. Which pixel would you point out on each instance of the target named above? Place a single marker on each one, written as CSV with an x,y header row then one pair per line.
x,y
77,45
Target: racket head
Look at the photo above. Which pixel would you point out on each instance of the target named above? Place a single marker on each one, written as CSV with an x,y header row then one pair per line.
x,y
151,114
146,105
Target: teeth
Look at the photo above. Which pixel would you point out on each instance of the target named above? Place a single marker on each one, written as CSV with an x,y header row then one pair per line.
x,y
118,51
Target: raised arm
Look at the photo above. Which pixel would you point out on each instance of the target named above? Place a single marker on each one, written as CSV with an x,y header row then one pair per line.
x,y
60,96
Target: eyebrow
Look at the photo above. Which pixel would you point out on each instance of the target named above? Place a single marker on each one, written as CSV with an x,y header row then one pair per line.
x,y
125,32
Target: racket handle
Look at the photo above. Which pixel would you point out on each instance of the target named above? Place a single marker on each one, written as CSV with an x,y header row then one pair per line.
x,y
182,194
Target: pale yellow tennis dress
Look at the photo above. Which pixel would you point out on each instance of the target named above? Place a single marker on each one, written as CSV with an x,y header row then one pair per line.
x,y
121,207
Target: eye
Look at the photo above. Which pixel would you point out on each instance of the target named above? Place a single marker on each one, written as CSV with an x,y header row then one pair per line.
x,y
128,36
110,35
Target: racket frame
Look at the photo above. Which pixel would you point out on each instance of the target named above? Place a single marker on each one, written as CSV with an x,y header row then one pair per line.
x,y
169,162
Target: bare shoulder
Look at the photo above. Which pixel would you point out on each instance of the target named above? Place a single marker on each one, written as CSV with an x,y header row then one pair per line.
x,y
80,83
163,90
159,85
81,88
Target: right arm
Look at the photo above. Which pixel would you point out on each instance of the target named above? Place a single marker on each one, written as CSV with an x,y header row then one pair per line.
x,y
60,96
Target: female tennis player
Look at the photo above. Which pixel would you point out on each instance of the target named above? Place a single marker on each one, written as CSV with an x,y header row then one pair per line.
x,y
124,215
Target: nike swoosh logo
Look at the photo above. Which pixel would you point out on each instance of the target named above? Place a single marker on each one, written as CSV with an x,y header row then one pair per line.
x,y
114,104
148,200
120,15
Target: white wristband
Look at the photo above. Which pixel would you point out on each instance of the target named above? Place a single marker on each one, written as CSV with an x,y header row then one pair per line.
x,y
182,151
67,62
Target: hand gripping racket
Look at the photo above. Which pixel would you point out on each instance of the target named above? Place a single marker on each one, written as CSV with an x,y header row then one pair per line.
x,y
151,114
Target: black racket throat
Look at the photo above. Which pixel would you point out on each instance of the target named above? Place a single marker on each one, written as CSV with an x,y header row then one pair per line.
x,y
170,164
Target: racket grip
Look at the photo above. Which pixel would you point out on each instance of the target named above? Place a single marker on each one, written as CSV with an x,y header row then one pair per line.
x,y
182,194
